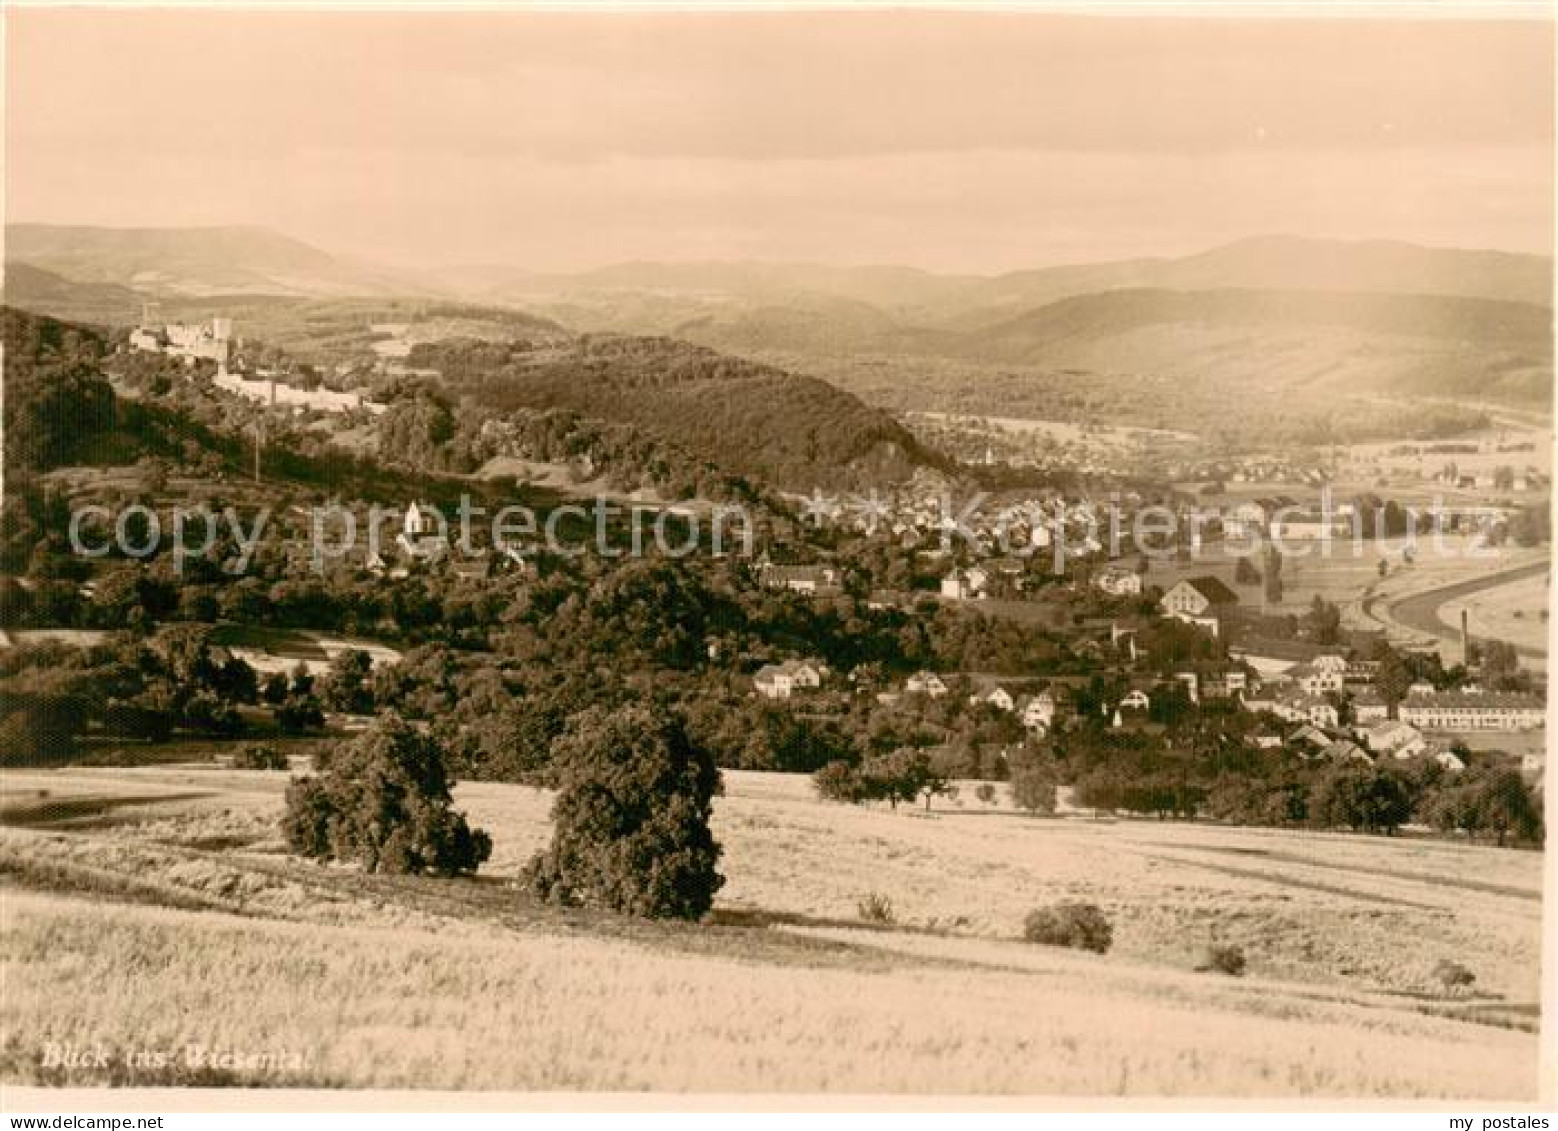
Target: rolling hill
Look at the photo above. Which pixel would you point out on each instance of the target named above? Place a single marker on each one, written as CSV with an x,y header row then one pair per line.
x,y
196,261
1425,345
32,288
1278,314
1275,263
752,420
826,324
912,297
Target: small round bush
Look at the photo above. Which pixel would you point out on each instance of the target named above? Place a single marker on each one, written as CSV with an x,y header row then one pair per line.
x,y
1223,958
876,908
1080,926
1453,977
257,756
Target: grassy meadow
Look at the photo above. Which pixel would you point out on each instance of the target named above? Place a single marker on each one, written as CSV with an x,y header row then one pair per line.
x,y
1516,612
152,909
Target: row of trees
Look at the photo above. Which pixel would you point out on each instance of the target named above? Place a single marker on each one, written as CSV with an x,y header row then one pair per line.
x,y
1286,790
908,774
1496,803
52,694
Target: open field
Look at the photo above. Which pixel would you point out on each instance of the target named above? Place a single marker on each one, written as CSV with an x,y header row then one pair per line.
x,y
1340,578
157,903
1425,607
1344,575
269,650
1512,442
1420,589
1516,612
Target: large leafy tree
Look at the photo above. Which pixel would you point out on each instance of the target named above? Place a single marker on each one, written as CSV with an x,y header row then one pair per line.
x,y
631,820
1033,782
384,801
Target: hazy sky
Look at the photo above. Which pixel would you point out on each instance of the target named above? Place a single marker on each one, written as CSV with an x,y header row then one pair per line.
x,y
970,141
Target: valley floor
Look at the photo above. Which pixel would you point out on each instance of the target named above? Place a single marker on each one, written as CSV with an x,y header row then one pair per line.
x,y
151,911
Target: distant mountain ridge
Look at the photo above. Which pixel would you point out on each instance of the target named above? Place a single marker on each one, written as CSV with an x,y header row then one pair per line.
x,y
197,261
964,301
1293,342
1275,314
1293,263
251,259
1268,313
1465,320
28,287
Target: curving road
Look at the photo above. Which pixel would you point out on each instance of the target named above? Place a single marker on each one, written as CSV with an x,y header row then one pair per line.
x,y
1420,611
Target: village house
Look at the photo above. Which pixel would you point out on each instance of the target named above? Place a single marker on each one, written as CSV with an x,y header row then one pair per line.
x,y
1309,526
1299,707
1473,710
780,681
1332,663
1118,581
1344,751
1449,760
965,584
1213,681
1259,697
1200,601
1008,568
928,684
1038,711
1320,520
1398,740
1309,739
1369,706
812,580
513,560
376,564
1322,675
1360,673
997,697
147,339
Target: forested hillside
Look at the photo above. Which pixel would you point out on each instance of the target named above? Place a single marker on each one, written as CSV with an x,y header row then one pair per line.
x,y
57,403
754,420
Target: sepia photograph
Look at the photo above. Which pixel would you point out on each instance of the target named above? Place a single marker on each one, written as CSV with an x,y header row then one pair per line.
x,y
855,556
